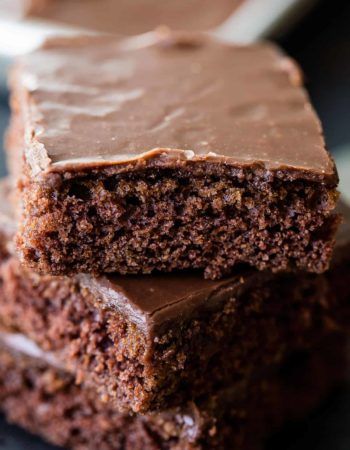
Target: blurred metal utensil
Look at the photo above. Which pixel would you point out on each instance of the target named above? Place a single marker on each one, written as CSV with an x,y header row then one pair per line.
x,y
258,19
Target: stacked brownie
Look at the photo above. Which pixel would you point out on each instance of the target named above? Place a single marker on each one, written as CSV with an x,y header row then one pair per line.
x,y
168,279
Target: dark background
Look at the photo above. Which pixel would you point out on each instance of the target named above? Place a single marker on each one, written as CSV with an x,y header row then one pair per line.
x,y
321,44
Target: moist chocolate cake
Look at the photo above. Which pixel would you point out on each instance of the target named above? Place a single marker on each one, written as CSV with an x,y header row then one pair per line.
x,y
152,341
125,16
169,152
36,394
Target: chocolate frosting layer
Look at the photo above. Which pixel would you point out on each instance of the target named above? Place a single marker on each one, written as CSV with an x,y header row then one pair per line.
x,y
133,17
150,301
165,97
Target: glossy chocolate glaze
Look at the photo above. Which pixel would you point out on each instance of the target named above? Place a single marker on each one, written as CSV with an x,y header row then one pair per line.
x,y
137,16
151,301
124,16
167,98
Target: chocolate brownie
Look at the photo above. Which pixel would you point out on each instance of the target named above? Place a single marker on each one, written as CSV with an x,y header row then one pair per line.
x,y
125,16
169,152
150,341
36,394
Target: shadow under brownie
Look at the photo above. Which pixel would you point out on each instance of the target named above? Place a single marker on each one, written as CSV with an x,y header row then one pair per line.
x,y
169,153
152,341
36,394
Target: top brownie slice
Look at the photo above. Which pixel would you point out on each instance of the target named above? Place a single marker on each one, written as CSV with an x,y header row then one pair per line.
x,y
124,16
168,152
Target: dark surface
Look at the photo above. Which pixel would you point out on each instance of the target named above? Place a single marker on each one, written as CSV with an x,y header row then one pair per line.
x,y
328,429
13,438
322,45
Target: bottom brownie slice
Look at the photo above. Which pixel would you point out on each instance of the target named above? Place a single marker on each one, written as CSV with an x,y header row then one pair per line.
x,y
38,395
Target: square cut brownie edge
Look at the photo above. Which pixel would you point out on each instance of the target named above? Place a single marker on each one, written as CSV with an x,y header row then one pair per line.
x,y
150,341
176,152
38,395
